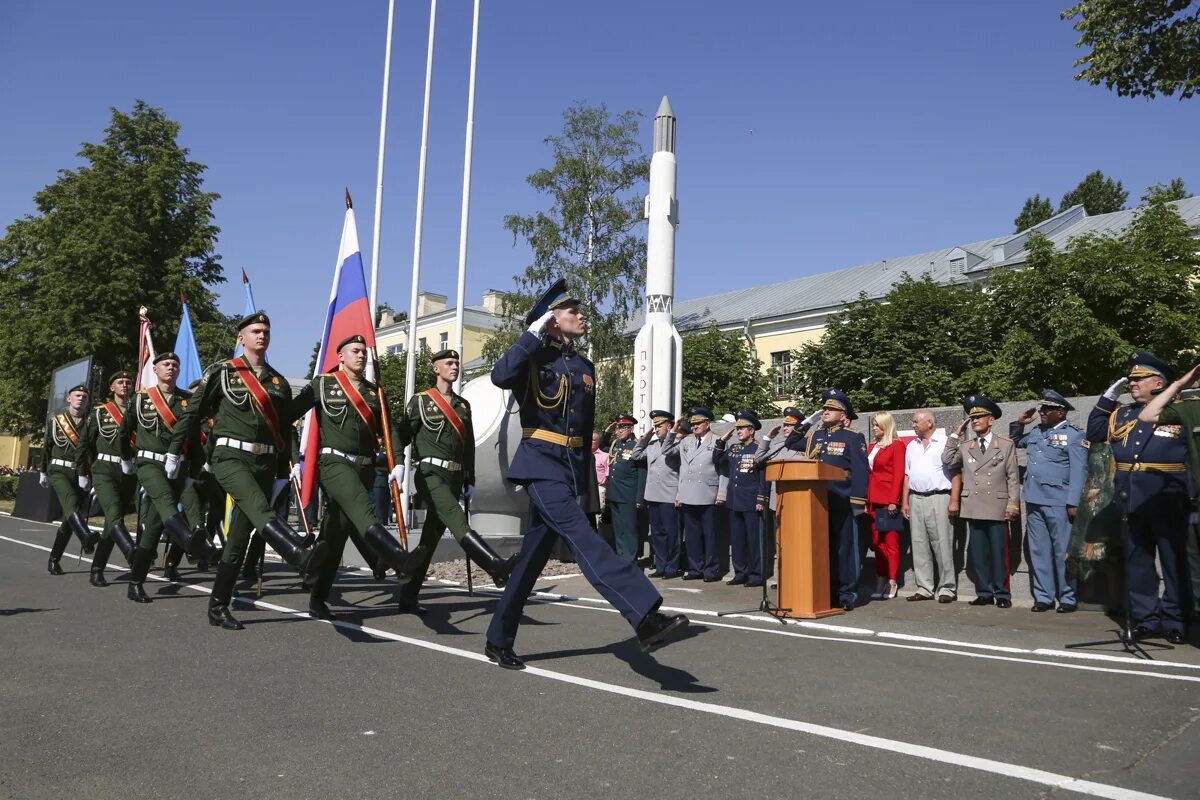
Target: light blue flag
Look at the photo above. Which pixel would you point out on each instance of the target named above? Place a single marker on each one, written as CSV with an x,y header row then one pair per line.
x,y
190,369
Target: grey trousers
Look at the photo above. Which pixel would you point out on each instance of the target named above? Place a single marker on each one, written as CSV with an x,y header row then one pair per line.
x,y
932,544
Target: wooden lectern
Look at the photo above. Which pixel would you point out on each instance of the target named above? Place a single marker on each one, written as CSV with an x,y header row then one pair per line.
x,y
802,514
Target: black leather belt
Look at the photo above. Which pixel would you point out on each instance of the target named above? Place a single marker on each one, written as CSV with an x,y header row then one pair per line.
x,y
929,494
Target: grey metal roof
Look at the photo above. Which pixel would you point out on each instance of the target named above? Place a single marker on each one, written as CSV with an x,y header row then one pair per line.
x,y
833,290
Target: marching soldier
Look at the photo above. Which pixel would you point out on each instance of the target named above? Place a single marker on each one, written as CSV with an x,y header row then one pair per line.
x,y
659,449
1152,494
626,487
1057,467
991,497
146,435
835,444
247,400
744,497
437,423
699,484
349,424
556,389
111,473
65,469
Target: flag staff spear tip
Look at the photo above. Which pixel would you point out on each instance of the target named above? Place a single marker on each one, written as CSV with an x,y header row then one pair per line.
x,y
349,202
245,277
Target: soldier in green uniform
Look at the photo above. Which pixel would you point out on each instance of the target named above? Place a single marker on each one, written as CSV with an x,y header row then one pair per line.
x,y
248,401
111,472
146,434
349,424
437,423
65,469
626,487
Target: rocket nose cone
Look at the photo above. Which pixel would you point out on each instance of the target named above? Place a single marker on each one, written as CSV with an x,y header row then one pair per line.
x,y
664,108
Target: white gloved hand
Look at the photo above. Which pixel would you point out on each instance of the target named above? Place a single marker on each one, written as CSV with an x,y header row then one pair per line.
x,y
172,464
276,488
295,473
396,475
540,323
44,480
127,467
206,468
1116,389
814,418
84,482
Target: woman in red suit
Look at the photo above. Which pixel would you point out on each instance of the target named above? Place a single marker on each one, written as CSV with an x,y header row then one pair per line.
x,y
886,457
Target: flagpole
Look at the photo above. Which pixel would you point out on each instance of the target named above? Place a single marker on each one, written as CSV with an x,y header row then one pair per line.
x,y
459,309
383,117
410,367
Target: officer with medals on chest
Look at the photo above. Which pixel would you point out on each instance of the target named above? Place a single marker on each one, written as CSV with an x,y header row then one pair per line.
x,y
65,470
248,402
146,435
1054,478
556,389
111,473
437,423
626,487
1152,494
835,444
744,497
699,484
659,450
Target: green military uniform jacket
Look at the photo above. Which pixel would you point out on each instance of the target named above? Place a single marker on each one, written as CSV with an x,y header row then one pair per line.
x,y
65,444
102,435
144,429
341,426
626,477
432,435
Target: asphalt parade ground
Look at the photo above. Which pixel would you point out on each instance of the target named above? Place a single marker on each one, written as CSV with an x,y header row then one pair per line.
x,y
104,698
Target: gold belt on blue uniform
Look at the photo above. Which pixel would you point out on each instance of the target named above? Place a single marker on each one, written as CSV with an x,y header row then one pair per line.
x,y
560,439
1149,466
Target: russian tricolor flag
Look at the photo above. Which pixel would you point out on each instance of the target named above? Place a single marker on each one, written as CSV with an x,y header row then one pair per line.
x,y
349,314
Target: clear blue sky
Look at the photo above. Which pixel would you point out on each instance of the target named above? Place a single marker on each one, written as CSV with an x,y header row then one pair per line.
x,y
879,129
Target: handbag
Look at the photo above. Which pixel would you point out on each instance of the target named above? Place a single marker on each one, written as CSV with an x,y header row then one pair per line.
x,y
888,521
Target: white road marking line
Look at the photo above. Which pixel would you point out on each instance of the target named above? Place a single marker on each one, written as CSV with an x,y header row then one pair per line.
x,y
993,766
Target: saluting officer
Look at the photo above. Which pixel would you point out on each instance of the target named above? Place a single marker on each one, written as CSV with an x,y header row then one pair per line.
x,y
349,425
437,423
626,487
146,434
556,389
247,399
1152,494
1054,477
65,469
991,496
744,496
111,473
835,444
699,484
658,448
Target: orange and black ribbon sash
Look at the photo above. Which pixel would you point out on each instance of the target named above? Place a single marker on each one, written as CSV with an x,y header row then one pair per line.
x,y
64,425
163,408
356,399
453,418
262,400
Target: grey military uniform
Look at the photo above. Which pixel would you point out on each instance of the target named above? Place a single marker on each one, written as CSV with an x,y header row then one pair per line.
x,y
990,485
662,468
699,481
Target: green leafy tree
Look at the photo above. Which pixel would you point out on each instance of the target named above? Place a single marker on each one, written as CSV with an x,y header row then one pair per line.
x,y
590,234
1097,193
1036,209
719,373
392,367
1175,190
1139,47
131,226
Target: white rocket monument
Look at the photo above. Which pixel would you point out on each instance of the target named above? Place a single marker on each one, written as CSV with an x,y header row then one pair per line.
x,y
658,350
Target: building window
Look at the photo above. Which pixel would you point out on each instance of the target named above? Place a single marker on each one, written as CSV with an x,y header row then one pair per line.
x,y
443,341
782,364
395,349
422,344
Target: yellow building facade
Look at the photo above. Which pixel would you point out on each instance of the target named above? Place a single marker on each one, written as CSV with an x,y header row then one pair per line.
x,y
435,327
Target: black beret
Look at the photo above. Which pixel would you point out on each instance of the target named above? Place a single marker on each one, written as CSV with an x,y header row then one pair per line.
x,y
440,354
167,356
122,374
355,339
79,387
255,318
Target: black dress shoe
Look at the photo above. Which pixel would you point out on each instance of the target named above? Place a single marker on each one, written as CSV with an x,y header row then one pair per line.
x,y
504,656
670,576
1175,636
407,606
53,567
658,628
379,571
1040,607
847,605
171,573
916,598
711,578
1142,632
97,579
945,598
982,601
136,593
319,609
219,617
754,584
1067,609
1002,603
736,580
658,573
690,577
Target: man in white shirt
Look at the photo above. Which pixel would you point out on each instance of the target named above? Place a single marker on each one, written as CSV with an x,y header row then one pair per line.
x,y
926,503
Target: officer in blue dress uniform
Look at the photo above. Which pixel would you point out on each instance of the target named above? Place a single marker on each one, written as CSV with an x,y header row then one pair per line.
x,y
1152,493
556,389
626,487
835,444
745,497
1054,477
